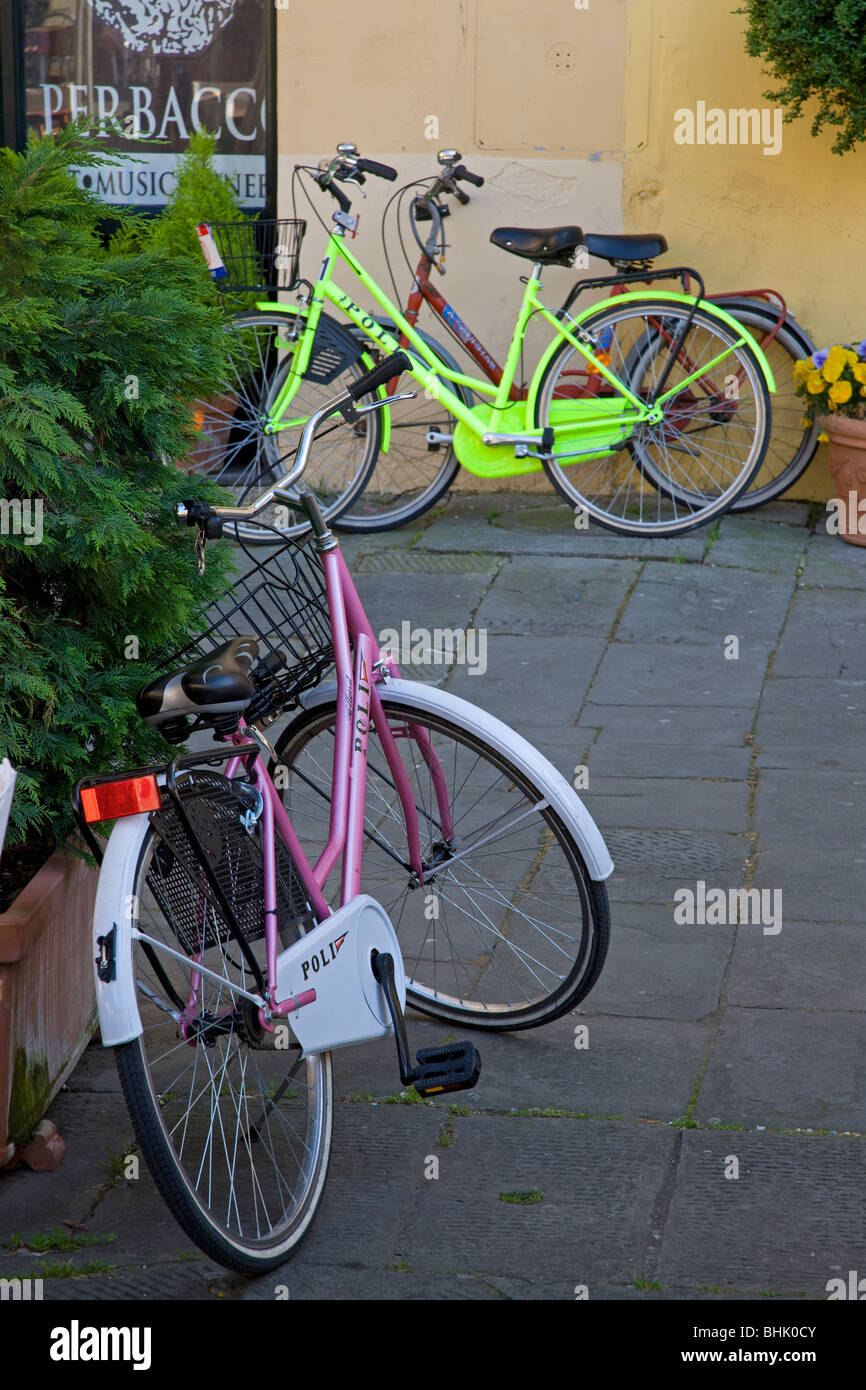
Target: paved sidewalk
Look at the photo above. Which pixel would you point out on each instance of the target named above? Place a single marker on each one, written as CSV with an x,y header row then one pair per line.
x,y
714,1050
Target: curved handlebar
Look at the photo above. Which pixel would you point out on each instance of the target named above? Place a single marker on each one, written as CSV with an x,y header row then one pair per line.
x,y
210,519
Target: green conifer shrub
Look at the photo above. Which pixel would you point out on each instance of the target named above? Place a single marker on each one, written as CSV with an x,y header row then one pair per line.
x,y
99,354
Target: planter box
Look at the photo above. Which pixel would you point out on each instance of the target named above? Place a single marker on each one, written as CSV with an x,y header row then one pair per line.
x,y
47,1003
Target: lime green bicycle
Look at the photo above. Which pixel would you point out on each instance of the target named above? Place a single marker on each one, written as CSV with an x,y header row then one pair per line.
x,y
673,437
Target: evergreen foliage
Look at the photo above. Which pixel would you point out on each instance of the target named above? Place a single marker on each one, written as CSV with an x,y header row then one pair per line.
x,y
99,353
200,195
817,51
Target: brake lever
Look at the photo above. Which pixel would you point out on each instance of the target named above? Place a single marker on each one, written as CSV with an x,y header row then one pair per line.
x,y
386,400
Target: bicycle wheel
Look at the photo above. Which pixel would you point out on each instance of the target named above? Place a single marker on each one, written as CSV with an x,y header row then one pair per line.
x,y
232,448
411,477
792,444
510,934
236,1130
668,478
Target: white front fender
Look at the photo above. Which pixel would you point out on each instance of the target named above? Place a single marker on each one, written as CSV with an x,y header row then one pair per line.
x,y
116,999
511,745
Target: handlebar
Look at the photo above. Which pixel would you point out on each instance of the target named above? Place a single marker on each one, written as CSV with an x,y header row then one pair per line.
x,y
381,171
210,519
461,172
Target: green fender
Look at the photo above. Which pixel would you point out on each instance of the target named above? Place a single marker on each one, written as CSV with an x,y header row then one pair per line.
x,y
385,415
712,309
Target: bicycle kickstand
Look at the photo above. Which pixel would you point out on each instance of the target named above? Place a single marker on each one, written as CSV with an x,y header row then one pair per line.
x,y
455,1067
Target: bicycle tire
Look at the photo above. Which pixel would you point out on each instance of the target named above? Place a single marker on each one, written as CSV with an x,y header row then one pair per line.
x,y
565,957
233,448
392,507
153,1070
668,510
779,469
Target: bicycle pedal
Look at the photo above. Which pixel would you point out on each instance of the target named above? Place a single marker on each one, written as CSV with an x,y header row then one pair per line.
x,y
455,1067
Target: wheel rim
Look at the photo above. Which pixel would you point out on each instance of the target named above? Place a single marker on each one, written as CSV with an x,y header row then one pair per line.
x,y
411,476
503,932
670,476
232,448
791,445
247,1127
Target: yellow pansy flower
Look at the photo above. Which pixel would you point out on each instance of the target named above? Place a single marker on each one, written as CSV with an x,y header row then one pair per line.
x,y
814,383
802,368
840,392
832,369
823,437
860,373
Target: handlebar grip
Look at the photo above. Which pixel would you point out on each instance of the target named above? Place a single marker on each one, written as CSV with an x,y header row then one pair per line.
x,y
392,366
381,171
202,514
461,172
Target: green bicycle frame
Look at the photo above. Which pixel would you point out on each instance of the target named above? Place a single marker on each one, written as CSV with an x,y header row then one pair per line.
x,y
593,425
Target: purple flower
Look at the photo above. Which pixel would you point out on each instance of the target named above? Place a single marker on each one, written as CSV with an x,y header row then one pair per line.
x,y
820,357
860,349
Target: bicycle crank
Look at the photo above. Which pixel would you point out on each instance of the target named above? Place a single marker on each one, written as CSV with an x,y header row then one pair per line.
x,y
455,1067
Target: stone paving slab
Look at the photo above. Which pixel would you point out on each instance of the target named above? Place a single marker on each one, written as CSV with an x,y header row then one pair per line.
x,y
554,595
545,677
794,1218
446,602
693,603
574,1233
787,1068
818,885
691,675
650,865
94,1127
831,563
824,637
667,723
785,809
671,801
810,720
751,544
610,756
807,966
657,969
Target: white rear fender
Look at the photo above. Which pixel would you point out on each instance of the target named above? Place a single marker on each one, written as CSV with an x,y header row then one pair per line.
x,y
112,919
504,740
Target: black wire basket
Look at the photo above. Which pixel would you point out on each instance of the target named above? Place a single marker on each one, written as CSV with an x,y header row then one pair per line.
x,y
260,257
282,602
207,870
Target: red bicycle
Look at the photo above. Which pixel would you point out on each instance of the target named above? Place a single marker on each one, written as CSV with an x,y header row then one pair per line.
x,y
408,482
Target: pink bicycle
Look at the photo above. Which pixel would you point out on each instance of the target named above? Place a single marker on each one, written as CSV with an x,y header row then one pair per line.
x,y
231,959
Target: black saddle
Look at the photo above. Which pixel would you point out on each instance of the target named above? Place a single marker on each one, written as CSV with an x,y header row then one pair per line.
x,y
625,249
550,245
218,683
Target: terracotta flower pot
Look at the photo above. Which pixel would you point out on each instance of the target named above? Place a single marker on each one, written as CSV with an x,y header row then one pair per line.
x,y
848,466
47,1003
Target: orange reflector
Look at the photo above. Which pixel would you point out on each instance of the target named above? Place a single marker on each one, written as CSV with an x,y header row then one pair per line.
x,y
110,800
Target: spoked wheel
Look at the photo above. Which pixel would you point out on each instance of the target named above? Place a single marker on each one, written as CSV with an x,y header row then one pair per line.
x,y
665,478
793,443
231,445
234,1124
414,473
508,930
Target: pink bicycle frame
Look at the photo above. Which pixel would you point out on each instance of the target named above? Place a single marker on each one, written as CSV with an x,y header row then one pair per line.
x,y
358,705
